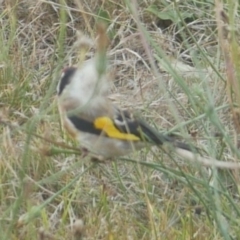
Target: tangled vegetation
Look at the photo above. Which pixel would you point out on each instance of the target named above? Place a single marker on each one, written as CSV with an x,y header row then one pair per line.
x,y
175,63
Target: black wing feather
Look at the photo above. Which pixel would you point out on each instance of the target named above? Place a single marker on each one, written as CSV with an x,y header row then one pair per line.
x,y
126,123
84,125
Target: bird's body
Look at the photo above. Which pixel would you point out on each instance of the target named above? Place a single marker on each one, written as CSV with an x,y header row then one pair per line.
x,y
81,103
90,116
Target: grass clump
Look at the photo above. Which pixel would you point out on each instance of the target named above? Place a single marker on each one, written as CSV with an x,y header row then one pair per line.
x,y
175,63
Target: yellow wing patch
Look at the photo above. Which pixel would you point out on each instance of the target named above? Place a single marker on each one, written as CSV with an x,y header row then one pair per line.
x,y
106,125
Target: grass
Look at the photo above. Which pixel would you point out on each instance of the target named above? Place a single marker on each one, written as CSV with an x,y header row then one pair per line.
x,y
173,64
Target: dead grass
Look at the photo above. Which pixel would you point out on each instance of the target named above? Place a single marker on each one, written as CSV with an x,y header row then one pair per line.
x,y
169,71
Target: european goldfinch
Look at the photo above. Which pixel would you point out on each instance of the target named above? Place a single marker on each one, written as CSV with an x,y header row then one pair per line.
x,y
100,127
90,116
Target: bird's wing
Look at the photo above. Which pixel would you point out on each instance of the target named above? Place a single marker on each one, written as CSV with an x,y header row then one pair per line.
x,y
127,123
101,126
124,126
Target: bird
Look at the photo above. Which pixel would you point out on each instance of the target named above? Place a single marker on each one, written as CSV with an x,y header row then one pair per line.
x,y
88,115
